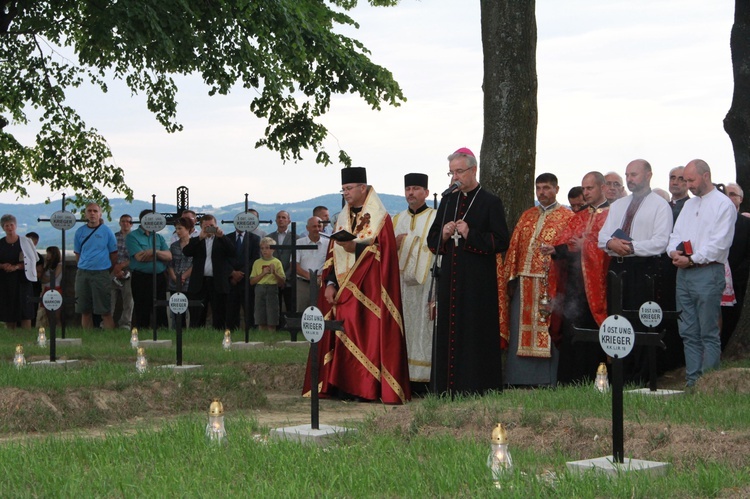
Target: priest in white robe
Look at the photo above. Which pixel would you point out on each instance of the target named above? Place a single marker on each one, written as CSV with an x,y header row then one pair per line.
x,y
411,227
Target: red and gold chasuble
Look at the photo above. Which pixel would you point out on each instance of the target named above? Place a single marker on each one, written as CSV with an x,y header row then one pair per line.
x,y
594,262
368,359
525,262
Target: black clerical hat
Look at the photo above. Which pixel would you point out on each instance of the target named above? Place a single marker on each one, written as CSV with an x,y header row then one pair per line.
x,y
418,179
353,175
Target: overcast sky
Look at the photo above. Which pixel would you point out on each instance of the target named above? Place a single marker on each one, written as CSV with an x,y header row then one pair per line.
x,y
618,80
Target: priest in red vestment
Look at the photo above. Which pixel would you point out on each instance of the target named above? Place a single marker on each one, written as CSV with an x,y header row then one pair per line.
x,y
527,288
368,359
582,283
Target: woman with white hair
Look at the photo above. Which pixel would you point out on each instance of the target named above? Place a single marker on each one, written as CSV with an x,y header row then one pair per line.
x,y
18,259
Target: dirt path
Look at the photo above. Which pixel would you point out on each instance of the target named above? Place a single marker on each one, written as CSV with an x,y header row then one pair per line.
x,y
287,409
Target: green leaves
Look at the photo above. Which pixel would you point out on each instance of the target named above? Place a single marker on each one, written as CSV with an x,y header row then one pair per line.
x,y
287,51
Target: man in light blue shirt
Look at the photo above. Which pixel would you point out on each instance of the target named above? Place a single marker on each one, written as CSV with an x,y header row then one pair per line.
x,y
95,248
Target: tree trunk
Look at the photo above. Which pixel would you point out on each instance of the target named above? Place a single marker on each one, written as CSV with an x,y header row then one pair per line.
x,y
737,126
510,109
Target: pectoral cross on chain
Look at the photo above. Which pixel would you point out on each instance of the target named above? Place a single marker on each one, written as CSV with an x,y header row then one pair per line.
x,y
456,236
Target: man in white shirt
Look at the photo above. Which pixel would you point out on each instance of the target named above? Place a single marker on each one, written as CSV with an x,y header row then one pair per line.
x,y
635,235
699,248
310,260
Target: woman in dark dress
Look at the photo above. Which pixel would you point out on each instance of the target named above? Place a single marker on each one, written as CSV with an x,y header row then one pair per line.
x,y
17,270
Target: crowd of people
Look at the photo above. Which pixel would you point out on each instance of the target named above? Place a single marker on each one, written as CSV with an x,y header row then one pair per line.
x,y
502,306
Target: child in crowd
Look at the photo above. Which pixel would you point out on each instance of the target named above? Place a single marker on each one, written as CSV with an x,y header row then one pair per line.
x,y
267,276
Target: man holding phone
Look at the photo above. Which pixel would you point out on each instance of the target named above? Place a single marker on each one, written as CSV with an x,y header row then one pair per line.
x,y
212,254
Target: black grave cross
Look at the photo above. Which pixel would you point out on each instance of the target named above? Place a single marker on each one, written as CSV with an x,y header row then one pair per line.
x,y
178,316
51,317
182,204
64,221
641,338
238,222
153,222
292,314
330,327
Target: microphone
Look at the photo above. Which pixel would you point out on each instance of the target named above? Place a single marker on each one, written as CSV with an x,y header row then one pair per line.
x,y
454,187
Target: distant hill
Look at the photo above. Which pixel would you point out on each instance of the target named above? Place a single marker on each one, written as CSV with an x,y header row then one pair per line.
x,y
28,214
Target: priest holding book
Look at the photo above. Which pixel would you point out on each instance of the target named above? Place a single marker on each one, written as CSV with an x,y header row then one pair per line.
x,y
367,360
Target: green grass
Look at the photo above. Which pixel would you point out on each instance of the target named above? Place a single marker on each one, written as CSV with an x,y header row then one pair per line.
x,y
440,452
107,355
177,460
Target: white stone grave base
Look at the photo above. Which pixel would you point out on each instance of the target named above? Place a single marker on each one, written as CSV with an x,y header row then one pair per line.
x,y
183,367
658,393
305,434
155,344
250,345
607,465
56,364
72,342
288,343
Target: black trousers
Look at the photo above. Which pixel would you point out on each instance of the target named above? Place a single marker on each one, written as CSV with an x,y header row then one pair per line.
x,y
236,302
143,299
209,296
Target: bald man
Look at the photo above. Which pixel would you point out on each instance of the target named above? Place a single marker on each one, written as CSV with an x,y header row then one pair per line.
x,y
707,223
635,235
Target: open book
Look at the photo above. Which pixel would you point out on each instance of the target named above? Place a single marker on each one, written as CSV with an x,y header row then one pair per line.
x,y
343,236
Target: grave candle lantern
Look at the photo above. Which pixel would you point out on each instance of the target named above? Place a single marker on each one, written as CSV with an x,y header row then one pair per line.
x,y
141,364
19,360
41,338
134,337
601,382
227,341
215,430
499,461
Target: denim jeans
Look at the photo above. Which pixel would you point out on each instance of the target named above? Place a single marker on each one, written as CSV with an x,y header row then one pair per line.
x,y
698,295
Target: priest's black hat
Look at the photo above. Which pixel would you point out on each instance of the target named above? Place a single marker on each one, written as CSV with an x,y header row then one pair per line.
x,y
353,175
418,179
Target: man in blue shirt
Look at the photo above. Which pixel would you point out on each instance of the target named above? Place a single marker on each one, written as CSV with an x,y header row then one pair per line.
x,y
140,244
95,248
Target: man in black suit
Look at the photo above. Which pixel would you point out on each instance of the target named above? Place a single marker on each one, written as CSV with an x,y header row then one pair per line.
x,y
209,282
283,235
245,243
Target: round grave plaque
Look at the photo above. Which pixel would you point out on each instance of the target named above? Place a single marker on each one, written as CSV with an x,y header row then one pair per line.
x,y
616,336
313,325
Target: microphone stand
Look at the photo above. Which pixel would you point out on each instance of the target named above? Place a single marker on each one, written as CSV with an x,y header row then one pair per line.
x,y
434,294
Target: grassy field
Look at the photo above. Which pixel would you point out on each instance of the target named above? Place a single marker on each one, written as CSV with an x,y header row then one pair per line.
x,y
102,430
